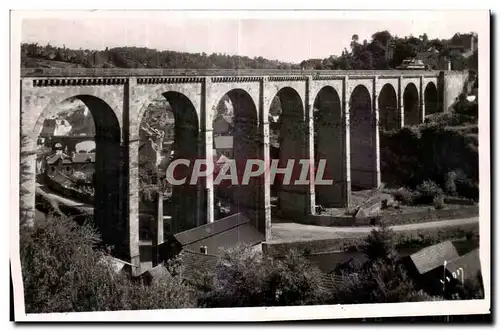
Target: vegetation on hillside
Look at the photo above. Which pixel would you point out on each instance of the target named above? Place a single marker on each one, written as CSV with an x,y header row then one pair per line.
x,y
142,57
438,157
65,269
385,51
373,54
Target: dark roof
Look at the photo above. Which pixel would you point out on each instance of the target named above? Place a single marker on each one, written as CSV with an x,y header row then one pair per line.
x,y
228,232
434,256
84,157
331,261
469,262
195,263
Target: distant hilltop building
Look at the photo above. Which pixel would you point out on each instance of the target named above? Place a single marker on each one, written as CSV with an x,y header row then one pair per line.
x,y
466,43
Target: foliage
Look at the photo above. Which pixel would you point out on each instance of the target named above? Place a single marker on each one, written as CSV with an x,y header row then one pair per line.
x,y
431,151
377,282
380,244
428,191
438,202
141,57
404,196
385,51
449,185
244,278
64,271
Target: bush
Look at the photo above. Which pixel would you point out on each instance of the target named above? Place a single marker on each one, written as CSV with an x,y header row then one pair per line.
x,y
63,271
380,244
438,202
449,185
466,187
379,282
245,278
428,190
404,196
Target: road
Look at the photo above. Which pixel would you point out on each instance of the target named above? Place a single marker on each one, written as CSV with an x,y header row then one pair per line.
x,y
295,231
41,189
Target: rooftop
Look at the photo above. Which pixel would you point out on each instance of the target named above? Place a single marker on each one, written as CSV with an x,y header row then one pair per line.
x,y
225,233
434,256
469,263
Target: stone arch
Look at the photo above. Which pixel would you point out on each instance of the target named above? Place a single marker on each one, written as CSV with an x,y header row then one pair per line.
x,y
236,137
231,91
388,108
362,128
185,204
109,176
431,99
174,92
329,146
291,141
411,105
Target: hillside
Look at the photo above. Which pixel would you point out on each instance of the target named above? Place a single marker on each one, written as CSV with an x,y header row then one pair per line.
x,y
36,56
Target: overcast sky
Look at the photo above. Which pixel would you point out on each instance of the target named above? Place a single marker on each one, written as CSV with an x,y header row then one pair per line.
x,y
291,40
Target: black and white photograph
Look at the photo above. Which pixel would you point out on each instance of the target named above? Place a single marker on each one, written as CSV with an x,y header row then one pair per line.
x,y
270,166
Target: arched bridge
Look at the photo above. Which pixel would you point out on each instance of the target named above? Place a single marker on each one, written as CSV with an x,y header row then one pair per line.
x,y
332,115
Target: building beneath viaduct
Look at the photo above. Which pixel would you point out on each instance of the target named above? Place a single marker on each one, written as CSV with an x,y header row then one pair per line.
x,y
333,115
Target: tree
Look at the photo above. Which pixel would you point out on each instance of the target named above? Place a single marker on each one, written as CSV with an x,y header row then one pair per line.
x,y
380,245
63,270
246,278
382,37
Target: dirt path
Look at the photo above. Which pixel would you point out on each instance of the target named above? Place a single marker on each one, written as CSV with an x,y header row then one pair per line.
x,y
296,231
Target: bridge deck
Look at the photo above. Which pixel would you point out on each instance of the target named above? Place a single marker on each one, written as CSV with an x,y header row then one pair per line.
x,y
98,72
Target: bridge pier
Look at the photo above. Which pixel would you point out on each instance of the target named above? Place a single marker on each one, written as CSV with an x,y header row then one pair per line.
x,y
354,160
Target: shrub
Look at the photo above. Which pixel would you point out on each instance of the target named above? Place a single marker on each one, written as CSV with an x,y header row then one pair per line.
x,y
63,271
466,187
449,185
404,196
438,202
378,283
168,292
245,278
380,244
428,190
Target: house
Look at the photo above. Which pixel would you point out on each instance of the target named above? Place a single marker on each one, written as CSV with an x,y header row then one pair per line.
x,y
84,162
465,43
465,267
200,248
59,162
427,266
224,146
225,233
64,164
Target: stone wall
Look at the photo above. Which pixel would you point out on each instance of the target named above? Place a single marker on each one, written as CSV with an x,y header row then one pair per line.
x,y
454,83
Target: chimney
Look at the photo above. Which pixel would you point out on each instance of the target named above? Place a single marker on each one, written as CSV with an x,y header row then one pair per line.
x,y
203,250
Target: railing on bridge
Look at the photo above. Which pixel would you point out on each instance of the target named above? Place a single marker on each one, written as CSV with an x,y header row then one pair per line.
x,y
118,72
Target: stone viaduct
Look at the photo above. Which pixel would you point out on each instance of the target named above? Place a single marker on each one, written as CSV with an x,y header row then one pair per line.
x,y
335,115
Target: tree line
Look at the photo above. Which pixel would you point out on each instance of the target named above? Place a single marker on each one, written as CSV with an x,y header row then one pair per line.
x,y
142,57
383,51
